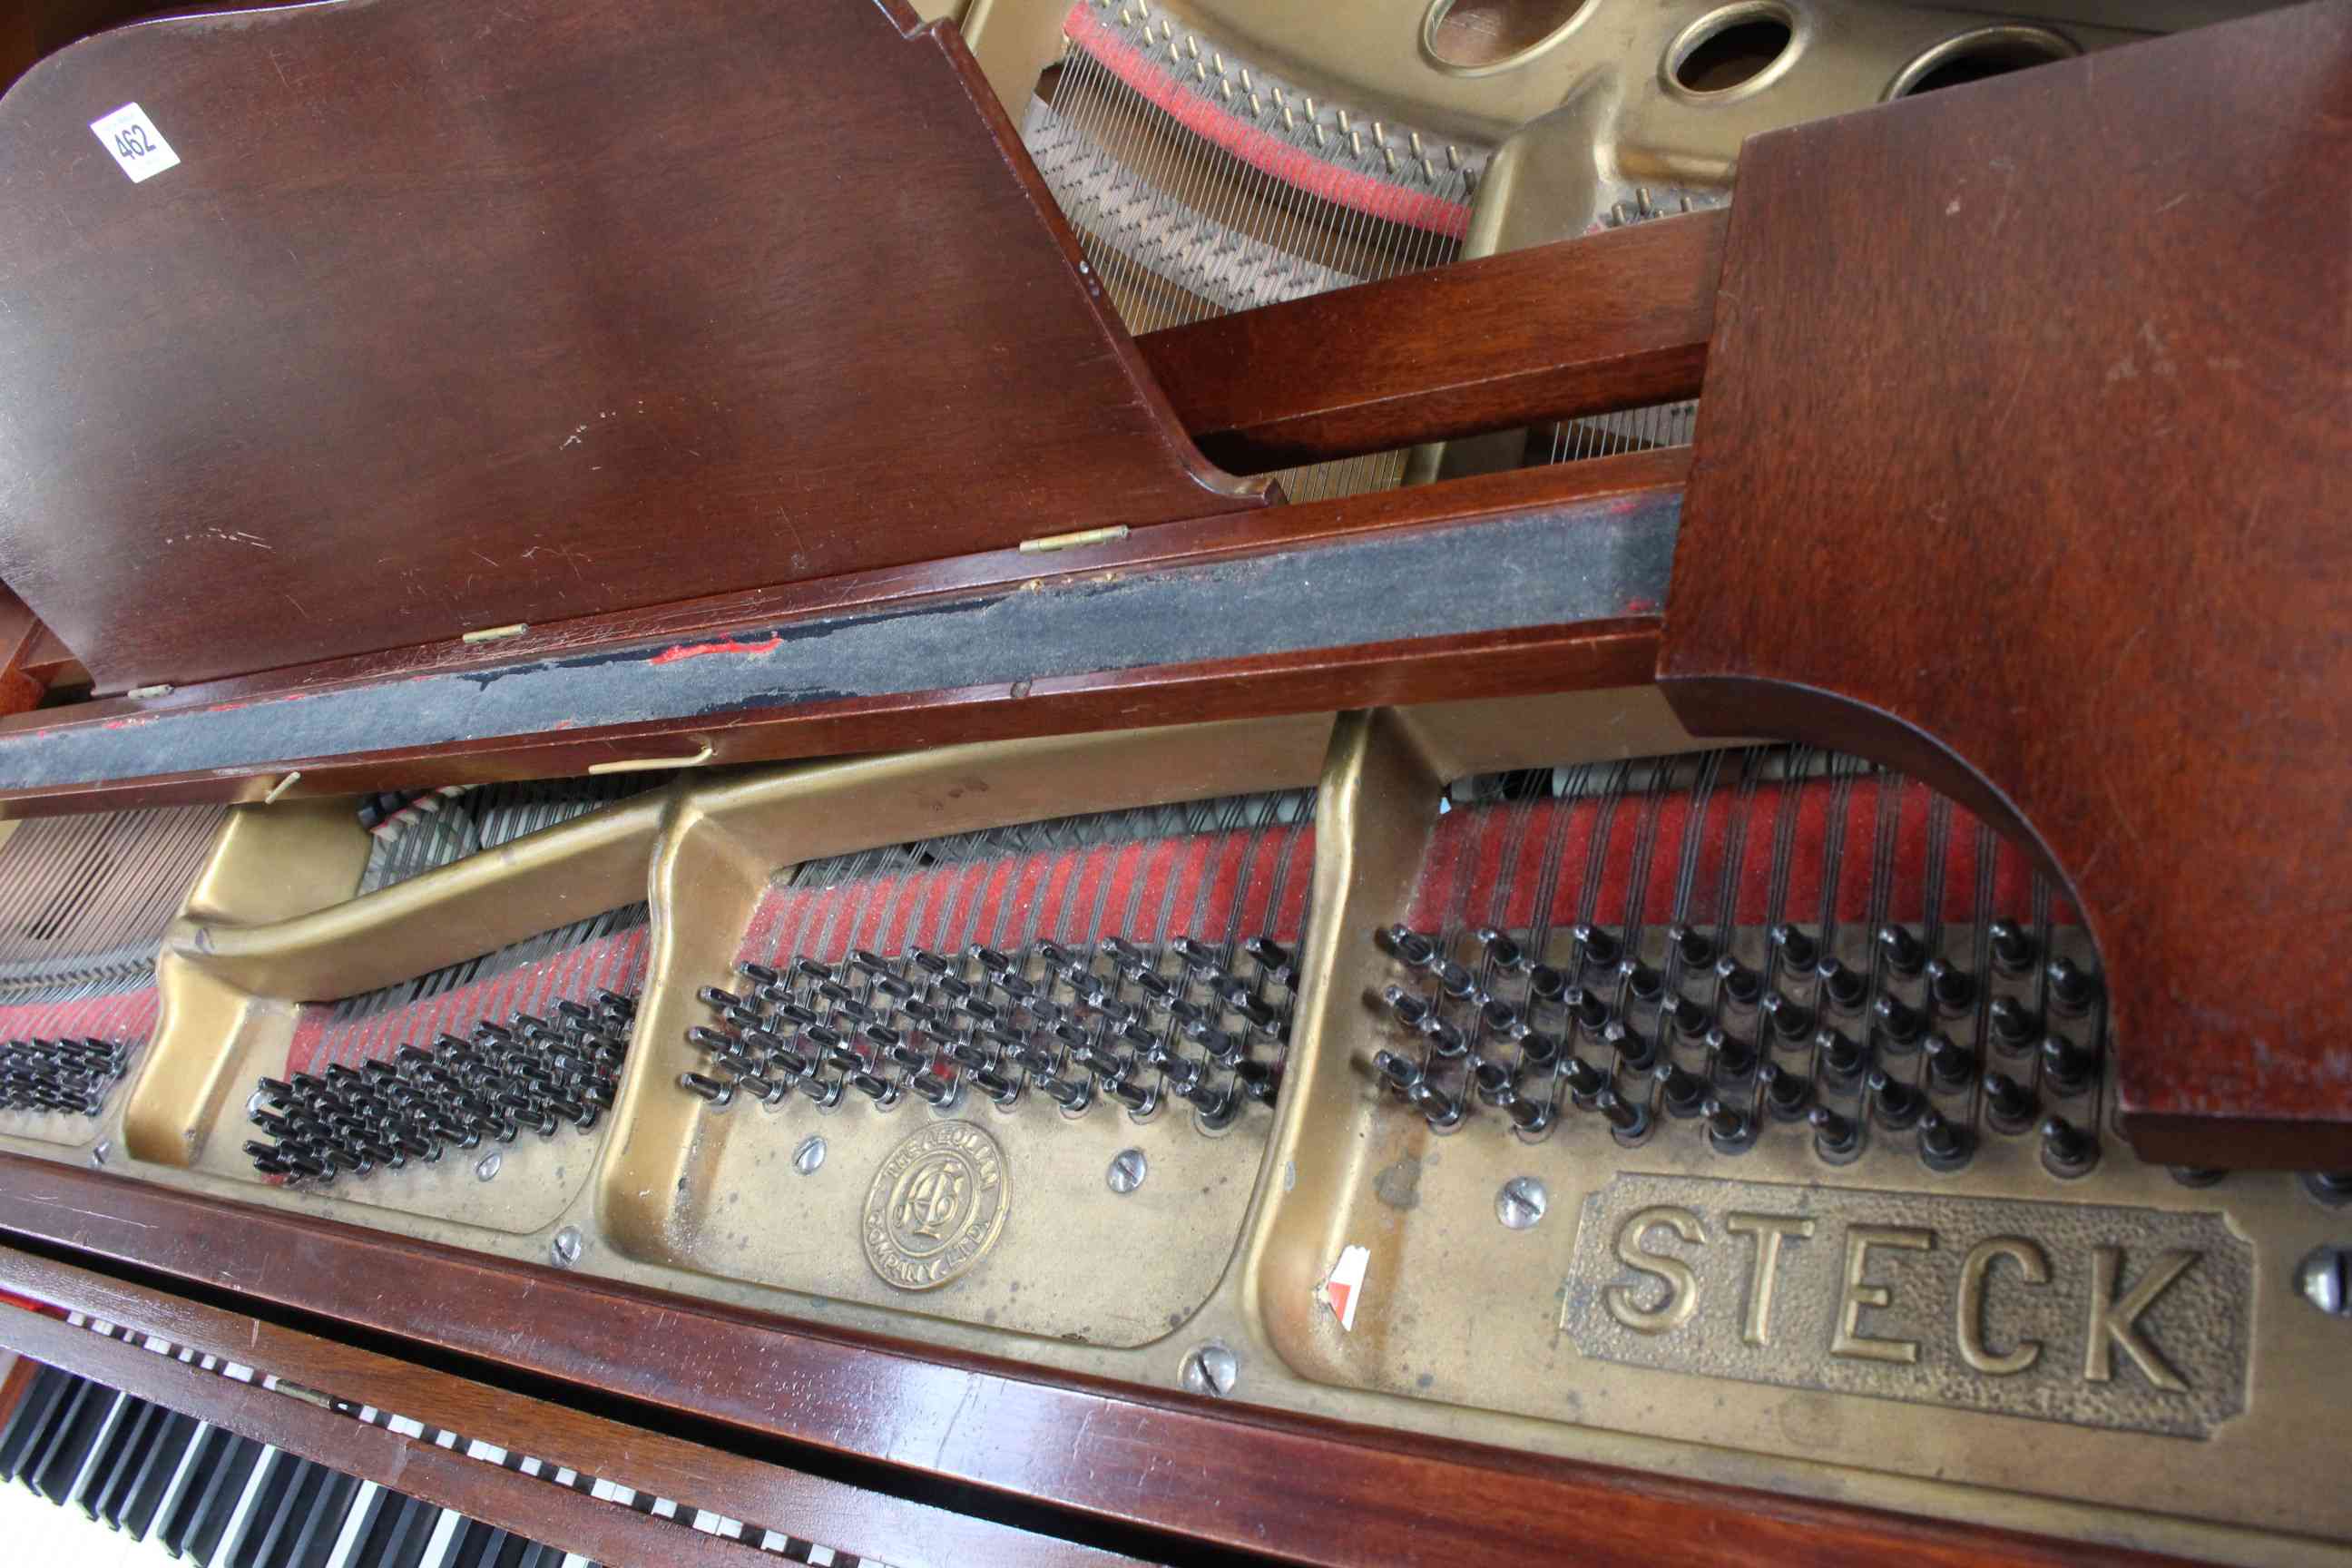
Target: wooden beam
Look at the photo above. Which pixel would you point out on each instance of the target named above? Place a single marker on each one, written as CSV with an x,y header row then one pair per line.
x,y
1544,579
1226,1476
1617,319
835,1514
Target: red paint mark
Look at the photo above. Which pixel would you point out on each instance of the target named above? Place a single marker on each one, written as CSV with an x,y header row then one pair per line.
x,y
130,723
696,649
1640,606
1292,165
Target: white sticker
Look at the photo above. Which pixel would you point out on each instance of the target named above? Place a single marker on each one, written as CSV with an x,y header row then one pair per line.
x,y
135,143
1344,1286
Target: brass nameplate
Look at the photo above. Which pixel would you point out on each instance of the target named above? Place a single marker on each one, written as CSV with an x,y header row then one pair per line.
x,y
2087,1313
936,1206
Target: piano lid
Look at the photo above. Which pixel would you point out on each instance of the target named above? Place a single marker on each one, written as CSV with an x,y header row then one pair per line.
x,y
376,324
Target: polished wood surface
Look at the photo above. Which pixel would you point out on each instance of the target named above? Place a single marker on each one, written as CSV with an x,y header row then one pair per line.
x,y
453,317
872,1524
1226,1475
1614,321
1616,647
2024,464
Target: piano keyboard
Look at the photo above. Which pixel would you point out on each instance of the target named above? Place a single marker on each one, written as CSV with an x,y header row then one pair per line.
x,y
171,1488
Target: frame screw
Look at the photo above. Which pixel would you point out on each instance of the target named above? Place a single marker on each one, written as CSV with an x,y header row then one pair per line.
x,y
487,1167
1127,1169
2324,1278
1211,1369
809,1156
98,1155
565,1248
1521,1202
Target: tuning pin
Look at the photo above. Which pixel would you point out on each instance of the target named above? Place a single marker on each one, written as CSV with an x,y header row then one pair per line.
x,y
1530,1117
2013,948
1693,946
717,1093
1731,1061
1405,1007
1444,1039
1790,1023
1546,983
1492,1081
2067,1152
2066,1067
1798,951
1785,1094
1406,945
2071,989
873,1086
939,1091
2009,1105
1629,1121
1898,1104
1942,1145
1845,988
1729,1131
1601,950
1441,1110
1498,1017
2013,1024
1584,1079
1139,1097
1689,1018
1742,985
1503,950
1952,990
1637,1052
1682,1093
1903,953
720,1001
1899,1023
1640,981
1949,1065
1836,1139
823,1092
1587,1008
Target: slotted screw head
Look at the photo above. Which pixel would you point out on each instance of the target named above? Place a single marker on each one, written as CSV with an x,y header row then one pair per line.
x,y
2324,1278
809,1156
487,1167
1127,1169
565,1248
1211,1369
1521,1202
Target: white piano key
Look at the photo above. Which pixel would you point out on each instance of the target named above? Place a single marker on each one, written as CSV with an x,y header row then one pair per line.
x,y
574,1560
437,1545
406,1426
348,1540
478,1449
665,1507
236,1528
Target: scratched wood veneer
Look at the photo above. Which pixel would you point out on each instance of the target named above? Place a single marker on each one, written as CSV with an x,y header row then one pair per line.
x,y
2045,500
1234,1476
873,1524
451,316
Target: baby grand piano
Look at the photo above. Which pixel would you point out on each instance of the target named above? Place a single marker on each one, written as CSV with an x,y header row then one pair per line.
x,y
1496,782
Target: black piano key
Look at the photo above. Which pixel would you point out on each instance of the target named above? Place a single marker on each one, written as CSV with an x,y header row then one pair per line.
x,y
156,1473
266,1544
466,1542
211,1510
376,1529
203,1473
271,1500
412,1534
314,1542
119,1460
70,1443
32,1416
497,1546
540,1556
